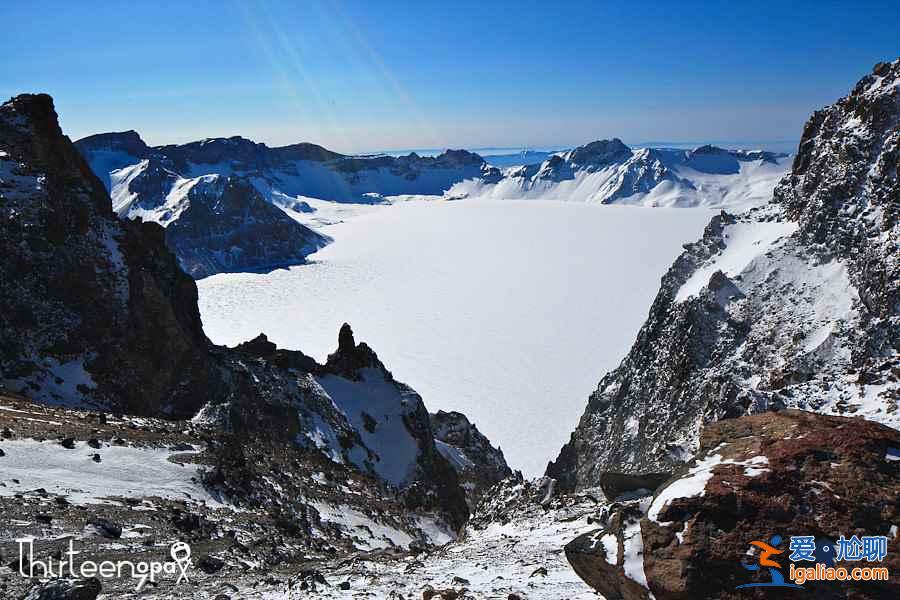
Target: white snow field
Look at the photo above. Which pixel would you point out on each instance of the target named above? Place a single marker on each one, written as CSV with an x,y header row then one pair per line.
x,y
508,311
126,472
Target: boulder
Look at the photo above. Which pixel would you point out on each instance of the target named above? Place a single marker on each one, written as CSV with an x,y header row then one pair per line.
x,y
615,484
65,589
757,478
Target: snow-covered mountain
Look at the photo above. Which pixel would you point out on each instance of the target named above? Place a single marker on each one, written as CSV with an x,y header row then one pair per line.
x,y
227,204
98,322
793,304
222,223
608,171
281,174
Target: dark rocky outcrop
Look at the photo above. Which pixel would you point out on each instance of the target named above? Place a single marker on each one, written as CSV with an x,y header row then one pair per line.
x,y
228,226
477,462
794,304
786,473
92,308
615,485
66,589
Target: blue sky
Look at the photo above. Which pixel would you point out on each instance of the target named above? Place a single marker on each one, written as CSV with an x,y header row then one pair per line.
x,y
369,75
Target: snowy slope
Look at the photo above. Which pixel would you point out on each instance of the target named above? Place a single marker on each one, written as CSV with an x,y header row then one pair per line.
x,y
609,172
379,412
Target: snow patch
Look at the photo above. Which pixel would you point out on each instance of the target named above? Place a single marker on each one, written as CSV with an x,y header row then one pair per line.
x,y
744,242
127,472
693,483
396,449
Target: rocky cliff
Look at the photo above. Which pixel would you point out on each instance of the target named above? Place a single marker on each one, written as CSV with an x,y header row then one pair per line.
x,y
478,464
93,310
224,225
793,304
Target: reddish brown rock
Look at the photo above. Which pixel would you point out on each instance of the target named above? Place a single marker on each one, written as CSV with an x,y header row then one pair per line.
x,y
788,473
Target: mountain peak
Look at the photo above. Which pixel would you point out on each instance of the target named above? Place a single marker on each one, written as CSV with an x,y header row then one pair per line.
x,y
599,152
128,142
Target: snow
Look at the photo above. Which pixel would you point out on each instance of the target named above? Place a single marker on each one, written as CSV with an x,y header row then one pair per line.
x,y
58,382
611,547
893,454
127,472
118,184
693,483
509,312
456,456
496,561
126,204
745,242
396,449
712,181
752,470
324,438
690,485
633,552
368,533
437,532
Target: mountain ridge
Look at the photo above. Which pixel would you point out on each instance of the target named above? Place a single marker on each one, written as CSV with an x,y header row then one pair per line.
x,y
608,171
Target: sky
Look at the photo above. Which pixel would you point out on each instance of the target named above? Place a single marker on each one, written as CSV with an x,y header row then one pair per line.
x,y
358,76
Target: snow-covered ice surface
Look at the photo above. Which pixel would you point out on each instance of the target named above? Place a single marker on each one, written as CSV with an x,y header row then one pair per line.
x,y
126,472
509,312
367,533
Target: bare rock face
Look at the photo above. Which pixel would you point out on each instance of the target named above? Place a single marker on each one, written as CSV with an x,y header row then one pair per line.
x,y
227,226
789,473
471,454
92,309
794,304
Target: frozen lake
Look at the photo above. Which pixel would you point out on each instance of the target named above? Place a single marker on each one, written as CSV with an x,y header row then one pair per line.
x,y
509,312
